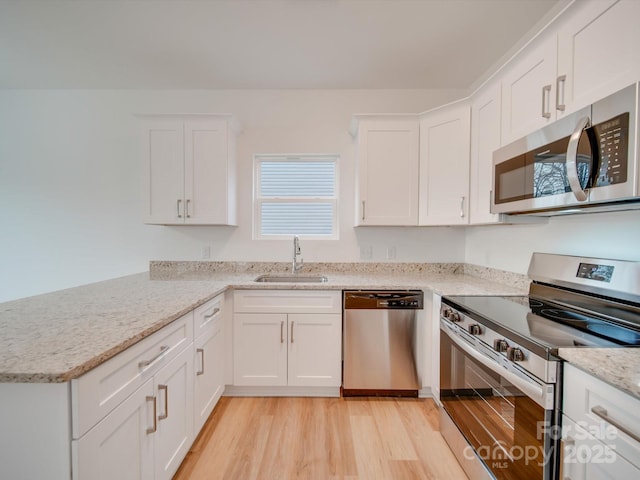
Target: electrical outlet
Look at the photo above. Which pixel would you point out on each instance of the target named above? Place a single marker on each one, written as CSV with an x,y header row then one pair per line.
x,y
366,253
391,253
206,252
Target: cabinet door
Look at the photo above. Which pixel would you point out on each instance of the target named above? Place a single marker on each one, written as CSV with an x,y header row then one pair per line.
x,y
584,457
444,166
315,349
528,91
388,172
209,373
164,171
207,169
598,51
485,138
174,391
122,444
260,349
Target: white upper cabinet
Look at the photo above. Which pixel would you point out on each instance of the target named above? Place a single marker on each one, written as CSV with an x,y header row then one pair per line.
x,y
588,53
529,91
189,171
387,178
485,138
598,50
444,165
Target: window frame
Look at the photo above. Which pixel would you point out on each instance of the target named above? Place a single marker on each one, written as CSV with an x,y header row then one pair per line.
x,y
258,200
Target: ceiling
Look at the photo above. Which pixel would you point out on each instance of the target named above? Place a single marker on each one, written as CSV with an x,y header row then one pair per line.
x,y
256,44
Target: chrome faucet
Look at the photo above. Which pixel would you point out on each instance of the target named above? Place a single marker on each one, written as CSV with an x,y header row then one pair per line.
x,y
296,265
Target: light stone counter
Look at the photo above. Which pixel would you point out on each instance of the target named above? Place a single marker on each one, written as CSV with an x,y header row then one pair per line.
x,y
619,367
58,336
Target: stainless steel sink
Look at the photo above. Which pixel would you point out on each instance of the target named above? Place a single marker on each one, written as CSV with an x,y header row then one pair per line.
x,y
284,278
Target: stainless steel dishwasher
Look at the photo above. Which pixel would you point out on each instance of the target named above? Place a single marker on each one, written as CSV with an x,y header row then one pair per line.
x,y
379,356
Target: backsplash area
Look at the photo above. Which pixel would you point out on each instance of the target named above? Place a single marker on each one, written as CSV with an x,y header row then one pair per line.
x,y
162,268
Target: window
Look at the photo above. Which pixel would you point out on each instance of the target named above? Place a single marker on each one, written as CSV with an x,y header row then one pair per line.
x,y
295,195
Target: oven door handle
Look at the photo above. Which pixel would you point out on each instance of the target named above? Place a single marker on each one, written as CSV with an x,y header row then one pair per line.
x,y
531,388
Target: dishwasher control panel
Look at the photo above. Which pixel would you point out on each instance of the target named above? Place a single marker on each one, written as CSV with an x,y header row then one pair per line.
x,y
384,299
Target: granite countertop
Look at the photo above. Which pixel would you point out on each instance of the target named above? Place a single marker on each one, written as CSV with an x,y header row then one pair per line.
x,y
619,367
59,336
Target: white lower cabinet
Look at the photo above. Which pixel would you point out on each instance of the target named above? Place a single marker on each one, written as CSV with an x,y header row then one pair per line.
x,y
134,413
279,342
174,393
122,445
148,434
209,359
600,429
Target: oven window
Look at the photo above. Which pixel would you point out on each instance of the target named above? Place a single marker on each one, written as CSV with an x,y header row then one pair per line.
x,y
504,426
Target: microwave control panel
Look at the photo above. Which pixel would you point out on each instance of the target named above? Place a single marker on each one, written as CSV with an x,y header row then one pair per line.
x,y
613,142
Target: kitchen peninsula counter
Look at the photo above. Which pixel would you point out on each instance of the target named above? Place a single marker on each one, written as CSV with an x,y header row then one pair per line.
x,y
56,337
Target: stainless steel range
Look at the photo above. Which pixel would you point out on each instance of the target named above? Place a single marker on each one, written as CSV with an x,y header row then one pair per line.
x,y
500,376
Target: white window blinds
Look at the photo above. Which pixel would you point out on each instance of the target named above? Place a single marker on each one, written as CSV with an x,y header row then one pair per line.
x,y
295,195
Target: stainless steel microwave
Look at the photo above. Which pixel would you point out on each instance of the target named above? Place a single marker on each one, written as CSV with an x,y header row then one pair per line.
x,y
586,161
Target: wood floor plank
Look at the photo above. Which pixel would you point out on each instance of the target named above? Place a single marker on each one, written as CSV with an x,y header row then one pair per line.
x,y
320,438
371,457
394,437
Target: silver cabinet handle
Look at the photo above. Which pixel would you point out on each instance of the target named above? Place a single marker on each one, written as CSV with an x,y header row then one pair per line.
x,y
153,429
604,415
215,311
201,352
572,159
166,401
178,208
462,207
562,79
546,91
282,332
146,363
186,208
363,210
292,332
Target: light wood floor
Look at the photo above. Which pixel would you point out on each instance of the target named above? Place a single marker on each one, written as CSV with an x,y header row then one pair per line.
x,y
321,438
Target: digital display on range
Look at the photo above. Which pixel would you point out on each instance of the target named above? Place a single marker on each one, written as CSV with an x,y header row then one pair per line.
x,y
601,273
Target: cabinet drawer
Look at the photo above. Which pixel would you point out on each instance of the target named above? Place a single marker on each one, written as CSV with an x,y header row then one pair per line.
x,y
585,457
287,301
207,315
599,407
99,391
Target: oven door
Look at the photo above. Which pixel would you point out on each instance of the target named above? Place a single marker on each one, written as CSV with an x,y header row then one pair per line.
x,y
507,419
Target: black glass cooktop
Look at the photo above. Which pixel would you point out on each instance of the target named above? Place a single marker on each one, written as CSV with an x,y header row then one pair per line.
x,y
547,325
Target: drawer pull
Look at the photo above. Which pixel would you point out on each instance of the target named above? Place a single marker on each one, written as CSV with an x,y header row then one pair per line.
x,y
215,312
281,332
604,415
166,401
291,332
155,412
146,363
201,352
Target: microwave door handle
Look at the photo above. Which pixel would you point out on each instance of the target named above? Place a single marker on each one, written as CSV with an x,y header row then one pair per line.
x,y
572,159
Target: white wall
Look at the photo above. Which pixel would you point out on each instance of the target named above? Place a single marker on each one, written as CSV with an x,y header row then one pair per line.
x,y
509,247
70,208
